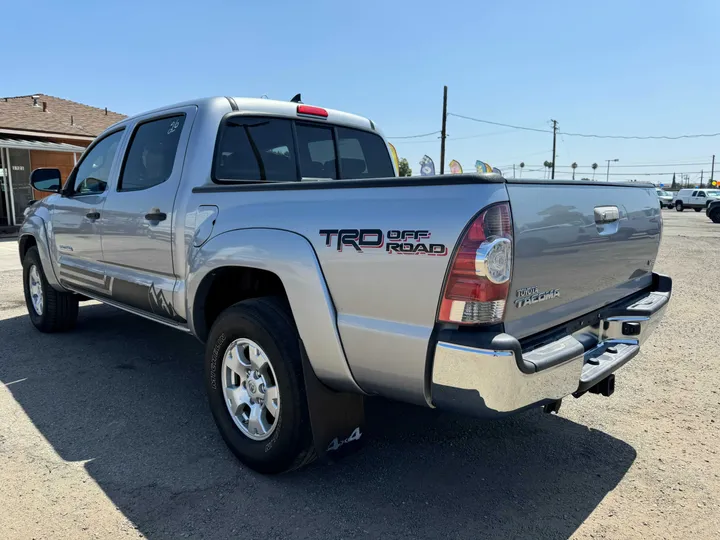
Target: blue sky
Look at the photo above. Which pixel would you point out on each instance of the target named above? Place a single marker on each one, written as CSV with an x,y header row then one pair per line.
x,y
627,68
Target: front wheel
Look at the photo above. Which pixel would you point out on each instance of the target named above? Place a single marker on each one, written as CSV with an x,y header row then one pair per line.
x,y
49,310
679,206
697,209
255,385
715,215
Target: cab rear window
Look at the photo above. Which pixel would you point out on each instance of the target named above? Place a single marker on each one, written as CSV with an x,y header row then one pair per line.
x,y
263,149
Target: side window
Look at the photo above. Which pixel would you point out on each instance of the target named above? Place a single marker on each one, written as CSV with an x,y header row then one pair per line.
x,y
701,194
316,152
259,149
363,155
92,174
694,194
151,153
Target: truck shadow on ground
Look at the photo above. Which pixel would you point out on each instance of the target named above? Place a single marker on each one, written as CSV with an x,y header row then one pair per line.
x,y
128,395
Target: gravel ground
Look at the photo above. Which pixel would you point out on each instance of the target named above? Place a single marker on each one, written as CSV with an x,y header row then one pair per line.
x,y
105,433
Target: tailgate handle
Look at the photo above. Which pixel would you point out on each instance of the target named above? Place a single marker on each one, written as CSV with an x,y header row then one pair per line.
x,y
606,214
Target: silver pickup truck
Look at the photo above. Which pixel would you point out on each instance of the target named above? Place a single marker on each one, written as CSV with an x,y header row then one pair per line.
x,y
278,234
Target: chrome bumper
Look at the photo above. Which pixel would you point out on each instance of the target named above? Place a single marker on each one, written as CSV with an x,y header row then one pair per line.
x,y
496,377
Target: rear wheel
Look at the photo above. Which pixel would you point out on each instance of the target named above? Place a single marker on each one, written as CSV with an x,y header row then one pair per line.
x,y
49,310
715,215
679,206
255,385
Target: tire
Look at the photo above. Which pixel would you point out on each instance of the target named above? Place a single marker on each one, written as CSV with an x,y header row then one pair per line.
x,y
266,323
57,311
715,215
679,206
697,209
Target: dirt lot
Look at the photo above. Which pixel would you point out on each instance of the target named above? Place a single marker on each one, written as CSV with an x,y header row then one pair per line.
x,y
105,433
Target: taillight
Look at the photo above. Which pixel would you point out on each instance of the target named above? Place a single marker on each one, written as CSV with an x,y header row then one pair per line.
x,y
312,111
477,285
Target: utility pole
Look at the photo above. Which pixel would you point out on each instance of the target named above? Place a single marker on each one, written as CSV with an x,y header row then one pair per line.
x,y
554,139
607,178
701,179
513,170
443,133
712,173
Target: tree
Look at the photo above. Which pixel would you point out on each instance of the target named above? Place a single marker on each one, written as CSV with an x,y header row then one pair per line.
x,y
404,167
674,185
594,167
548,165
574,166
522,166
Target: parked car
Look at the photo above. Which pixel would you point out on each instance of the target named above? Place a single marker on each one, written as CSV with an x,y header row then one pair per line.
x,y
697,199
665,198
278,234
713,210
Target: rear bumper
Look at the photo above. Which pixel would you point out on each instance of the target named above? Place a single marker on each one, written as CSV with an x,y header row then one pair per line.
x,y
491,375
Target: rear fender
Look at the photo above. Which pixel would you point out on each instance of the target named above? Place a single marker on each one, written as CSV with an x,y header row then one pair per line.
x,y
292,258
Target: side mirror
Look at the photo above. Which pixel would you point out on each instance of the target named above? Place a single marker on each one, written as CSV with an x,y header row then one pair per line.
x,y
46,180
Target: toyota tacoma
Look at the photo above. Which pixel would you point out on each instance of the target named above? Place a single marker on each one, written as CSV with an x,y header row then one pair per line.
x,y
279,234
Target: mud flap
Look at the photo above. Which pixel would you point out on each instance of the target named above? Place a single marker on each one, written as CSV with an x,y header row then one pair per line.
x,y
337,419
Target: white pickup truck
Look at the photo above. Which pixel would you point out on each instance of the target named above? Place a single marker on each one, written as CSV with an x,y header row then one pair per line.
x,y
279,234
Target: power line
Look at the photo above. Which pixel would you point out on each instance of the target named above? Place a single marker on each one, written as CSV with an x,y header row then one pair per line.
x,y
499,123
415,136
590,135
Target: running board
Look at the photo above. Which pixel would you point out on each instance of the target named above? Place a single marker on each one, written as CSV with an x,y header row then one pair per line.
x,y
103,300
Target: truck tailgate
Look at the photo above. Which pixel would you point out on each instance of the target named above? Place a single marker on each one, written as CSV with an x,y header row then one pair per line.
x,y
578,247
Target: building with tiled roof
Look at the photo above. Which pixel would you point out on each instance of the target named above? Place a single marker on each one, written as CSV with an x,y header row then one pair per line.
x,y
38,130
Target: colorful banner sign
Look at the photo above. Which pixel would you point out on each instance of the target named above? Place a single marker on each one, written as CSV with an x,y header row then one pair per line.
x,y
455,167
497,171
427,167
482,167
396,161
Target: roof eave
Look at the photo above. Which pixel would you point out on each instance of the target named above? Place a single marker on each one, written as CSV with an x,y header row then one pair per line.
x,y
46,134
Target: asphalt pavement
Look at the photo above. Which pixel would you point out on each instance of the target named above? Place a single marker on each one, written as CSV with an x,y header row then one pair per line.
x,y
105,433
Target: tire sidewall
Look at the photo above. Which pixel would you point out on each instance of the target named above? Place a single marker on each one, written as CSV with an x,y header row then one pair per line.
x,y
32,258
277,452
679,206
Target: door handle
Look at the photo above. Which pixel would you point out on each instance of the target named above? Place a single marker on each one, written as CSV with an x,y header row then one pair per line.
x,y
93,215
156,216
606,214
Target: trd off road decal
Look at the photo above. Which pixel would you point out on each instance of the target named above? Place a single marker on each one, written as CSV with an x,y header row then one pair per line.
x,y
408,242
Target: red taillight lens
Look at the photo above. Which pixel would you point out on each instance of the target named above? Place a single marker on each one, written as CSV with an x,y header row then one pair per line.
x,y
312,111
479,280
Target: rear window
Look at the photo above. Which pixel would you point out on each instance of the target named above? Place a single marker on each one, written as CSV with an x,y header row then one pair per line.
x,y
254,149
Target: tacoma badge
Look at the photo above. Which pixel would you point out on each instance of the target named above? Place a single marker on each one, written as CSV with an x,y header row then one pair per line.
x,y
530,295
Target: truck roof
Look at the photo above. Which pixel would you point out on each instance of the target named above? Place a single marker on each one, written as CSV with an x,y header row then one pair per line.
x,y
265,106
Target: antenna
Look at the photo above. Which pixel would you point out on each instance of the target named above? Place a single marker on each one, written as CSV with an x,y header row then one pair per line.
x,y
297,99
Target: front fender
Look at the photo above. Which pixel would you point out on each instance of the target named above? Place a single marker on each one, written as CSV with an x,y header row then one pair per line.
x,y
34,226
292,258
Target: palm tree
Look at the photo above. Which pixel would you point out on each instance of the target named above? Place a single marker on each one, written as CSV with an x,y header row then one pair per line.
x,y
574,166
594,166
522,166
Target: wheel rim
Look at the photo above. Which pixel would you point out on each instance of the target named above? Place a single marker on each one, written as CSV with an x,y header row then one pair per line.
x,y
35,288
250,389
